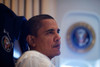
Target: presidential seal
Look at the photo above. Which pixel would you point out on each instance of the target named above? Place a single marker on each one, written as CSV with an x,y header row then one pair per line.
x,y
80,37
6,42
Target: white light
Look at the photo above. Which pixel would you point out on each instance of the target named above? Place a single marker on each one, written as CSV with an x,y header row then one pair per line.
x,y
17,51
76,63
68,66
97,63
16,54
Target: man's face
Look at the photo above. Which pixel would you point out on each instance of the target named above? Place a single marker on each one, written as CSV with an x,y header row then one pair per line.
x,y
48,39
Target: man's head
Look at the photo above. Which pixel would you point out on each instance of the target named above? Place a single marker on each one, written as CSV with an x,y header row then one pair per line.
x,y
43,35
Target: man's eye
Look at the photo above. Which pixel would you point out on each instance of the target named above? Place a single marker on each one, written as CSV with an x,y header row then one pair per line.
x,y
51,32
58,31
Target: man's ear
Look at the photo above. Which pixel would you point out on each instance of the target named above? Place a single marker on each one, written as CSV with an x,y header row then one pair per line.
x,y
31,40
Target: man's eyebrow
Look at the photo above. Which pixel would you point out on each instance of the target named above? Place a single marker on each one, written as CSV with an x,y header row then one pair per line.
x,y
50,30
58,30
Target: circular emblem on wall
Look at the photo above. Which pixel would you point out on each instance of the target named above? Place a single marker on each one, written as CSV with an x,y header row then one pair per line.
x,y
6,44
80,37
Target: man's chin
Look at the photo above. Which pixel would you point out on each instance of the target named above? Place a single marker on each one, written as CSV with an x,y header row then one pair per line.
x,y
58,53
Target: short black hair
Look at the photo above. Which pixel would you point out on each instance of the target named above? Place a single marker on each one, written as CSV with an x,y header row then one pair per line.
x,y
34,24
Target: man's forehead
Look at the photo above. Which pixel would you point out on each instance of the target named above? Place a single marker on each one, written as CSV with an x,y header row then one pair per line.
x,y
48,21
49,24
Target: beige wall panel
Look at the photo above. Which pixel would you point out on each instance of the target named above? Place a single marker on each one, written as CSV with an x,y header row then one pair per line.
x,y
1,1
21,8
35,7
49,7
7,3
28,9
15,6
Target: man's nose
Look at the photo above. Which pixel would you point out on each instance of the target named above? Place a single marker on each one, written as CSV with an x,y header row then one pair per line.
x,y
57,37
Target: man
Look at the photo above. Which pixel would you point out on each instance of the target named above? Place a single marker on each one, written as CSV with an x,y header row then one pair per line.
x,y
42,36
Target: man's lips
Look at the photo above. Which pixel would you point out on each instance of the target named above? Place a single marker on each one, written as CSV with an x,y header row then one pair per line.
x,y
57,46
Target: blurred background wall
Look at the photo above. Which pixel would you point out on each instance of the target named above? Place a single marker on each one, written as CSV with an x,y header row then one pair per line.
x,y
66,6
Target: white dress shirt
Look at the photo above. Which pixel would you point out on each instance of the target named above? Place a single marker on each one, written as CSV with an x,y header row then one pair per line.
x,y
34,59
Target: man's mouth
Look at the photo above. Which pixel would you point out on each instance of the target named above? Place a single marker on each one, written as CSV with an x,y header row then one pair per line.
x,y
57,46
